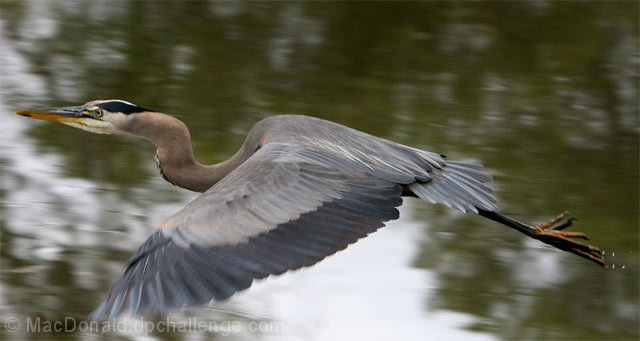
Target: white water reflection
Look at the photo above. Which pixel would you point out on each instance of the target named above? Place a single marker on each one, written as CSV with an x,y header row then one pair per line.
x,y
369,291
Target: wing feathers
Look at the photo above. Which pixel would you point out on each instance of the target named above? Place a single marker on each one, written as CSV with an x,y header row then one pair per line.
x,y
165,275
286,207
458,185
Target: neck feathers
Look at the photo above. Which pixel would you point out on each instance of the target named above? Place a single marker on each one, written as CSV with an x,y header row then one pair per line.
x,y
192,175
174,156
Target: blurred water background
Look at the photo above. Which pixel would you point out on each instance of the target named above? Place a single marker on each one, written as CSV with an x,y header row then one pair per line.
x,y
544,93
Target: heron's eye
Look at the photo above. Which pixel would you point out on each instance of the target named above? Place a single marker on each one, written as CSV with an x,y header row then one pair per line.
x,y
99,113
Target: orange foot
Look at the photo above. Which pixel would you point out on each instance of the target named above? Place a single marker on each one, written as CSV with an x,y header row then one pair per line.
x,y
552,234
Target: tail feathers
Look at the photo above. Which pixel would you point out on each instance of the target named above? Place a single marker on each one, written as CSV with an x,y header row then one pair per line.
x,y
459,185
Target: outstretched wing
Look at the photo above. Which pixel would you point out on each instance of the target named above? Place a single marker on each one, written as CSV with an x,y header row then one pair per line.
x,y
286,207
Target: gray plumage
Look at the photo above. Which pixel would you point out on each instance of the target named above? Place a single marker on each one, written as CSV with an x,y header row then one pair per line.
x,y
311,189
298,190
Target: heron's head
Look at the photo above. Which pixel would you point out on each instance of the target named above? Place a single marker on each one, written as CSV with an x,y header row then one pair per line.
x,y
111,116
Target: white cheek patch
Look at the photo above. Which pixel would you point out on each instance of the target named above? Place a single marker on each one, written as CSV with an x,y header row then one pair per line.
x,y
115,118
118,123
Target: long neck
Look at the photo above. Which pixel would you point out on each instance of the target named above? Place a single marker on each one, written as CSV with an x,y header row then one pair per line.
x,y
174,156
188,173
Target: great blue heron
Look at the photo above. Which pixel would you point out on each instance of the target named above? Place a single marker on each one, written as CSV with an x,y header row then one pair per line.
x,y
298,190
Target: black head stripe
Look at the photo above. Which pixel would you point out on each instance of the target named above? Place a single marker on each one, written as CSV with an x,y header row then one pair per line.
x,y
121,106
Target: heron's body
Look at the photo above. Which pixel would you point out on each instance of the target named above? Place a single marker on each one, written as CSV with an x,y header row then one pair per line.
x,y
299,189
393,161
